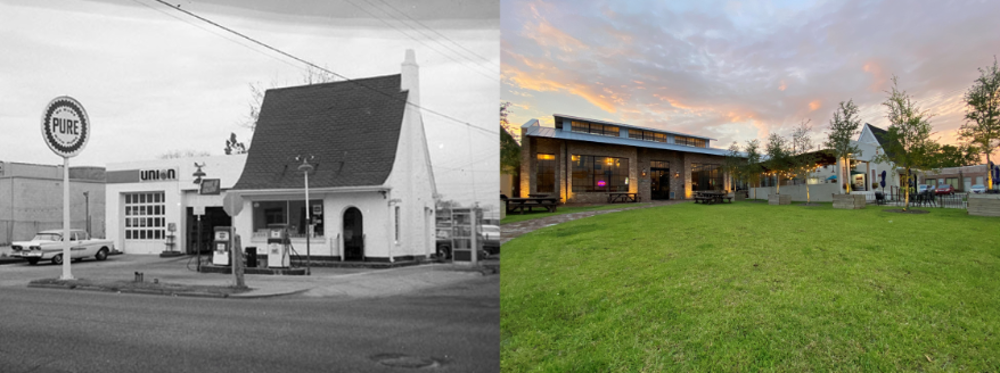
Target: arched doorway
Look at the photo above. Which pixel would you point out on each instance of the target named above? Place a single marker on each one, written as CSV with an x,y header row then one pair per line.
x,y
354,237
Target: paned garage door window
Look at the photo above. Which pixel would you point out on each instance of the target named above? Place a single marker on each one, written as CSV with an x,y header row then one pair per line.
x,y
144,216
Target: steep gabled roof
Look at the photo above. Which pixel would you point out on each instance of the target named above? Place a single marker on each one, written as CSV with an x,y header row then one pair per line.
x,y
351,128
881,136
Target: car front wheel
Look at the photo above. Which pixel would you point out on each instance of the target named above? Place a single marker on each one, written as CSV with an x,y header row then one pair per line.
x,y
57,259
102,254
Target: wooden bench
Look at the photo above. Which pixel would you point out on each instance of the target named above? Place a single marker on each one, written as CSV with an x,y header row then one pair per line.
x,y
520,204
703,198
623,197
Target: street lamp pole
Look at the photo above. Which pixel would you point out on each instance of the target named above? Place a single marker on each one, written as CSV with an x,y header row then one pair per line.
x,y
305,167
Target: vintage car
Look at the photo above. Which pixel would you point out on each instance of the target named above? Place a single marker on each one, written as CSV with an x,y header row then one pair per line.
x,y
48,245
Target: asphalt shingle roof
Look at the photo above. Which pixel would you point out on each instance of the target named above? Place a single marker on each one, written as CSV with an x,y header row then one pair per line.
x,y
352,131
880,135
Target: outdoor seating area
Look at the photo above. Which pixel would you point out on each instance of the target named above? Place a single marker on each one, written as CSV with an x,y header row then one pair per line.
x,y
616,197
712,197
532,202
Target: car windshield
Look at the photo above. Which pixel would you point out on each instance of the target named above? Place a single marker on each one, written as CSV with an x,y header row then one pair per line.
x,y
47,237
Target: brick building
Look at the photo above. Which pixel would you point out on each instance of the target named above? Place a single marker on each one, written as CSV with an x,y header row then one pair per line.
x,y
31,199
583,160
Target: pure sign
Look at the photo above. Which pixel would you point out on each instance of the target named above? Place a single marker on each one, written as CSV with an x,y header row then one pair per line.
x,y
65,126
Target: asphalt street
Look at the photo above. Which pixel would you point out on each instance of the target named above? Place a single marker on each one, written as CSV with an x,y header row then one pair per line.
x,y
454,327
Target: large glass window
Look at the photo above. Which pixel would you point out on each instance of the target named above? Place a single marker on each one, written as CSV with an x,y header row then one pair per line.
x,y
647,136
545,173
706,177
600,174
144,216
291,213
689,141
597,129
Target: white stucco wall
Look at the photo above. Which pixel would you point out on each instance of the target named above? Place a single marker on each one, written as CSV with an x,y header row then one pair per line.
x,y
179,195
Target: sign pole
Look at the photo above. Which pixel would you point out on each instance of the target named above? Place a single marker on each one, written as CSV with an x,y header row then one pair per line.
x,y
67,256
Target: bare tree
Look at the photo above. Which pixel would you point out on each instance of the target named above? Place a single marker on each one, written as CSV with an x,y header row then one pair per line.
x,y
173,154
258,90
803,160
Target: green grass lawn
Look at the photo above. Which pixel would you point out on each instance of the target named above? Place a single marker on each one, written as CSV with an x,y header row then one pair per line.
x,y
752,287
516,217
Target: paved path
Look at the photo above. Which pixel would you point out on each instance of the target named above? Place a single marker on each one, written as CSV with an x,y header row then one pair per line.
x,y
511,231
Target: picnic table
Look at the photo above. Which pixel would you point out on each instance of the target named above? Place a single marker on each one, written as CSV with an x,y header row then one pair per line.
x,y
709,197
623,197
520,204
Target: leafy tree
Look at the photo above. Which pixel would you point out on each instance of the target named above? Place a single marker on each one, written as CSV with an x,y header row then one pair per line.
x,y
513,130
734,164
844,127
510,150
955,156
982,113
753,166
803,160
908,141
778,158
233,146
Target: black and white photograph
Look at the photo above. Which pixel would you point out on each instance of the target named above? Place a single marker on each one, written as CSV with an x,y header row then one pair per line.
x,y
249,186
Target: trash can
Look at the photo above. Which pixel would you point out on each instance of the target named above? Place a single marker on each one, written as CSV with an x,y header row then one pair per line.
x,y
251,257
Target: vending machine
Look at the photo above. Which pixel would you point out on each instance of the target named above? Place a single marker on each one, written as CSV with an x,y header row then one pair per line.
x,y
277,246
221,242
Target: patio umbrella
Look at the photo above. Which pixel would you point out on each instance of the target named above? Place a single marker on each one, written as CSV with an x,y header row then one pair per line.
x,y
882,182
834,177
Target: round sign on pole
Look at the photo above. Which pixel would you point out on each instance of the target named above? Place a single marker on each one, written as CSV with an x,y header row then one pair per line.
x,y
65,126
232,204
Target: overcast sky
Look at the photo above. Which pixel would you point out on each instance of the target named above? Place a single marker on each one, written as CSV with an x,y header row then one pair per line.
x,y
154,80
737,70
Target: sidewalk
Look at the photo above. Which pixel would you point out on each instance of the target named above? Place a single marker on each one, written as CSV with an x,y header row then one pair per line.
x,y
513,230
324,282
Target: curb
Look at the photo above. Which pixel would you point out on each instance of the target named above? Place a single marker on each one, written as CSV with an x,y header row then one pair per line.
x,y
138,291
271,295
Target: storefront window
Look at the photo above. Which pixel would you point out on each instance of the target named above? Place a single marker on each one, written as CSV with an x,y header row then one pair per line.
x,y
600,174
545,173
291,213
706,177
144,216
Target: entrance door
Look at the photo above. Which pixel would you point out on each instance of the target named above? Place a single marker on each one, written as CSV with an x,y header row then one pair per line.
x,y
214,217
354,241
661,183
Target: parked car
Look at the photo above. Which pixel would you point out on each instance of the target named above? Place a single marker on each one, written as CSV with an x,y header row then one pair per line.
x,y
978,189
924,187
48,245
945,189
491,239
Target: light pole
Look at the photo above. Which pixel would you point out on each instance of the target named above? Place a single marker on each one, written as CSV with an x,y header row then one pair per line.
x,y
306,168
198,174
86,199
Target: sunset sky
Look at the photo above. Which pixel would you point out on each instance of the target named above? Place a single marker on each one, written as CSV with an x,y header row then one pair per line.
x,y
154,80
738,70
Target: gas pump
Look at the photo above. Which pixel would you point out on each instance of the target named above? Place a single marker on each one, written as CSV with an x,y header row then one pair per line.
x,y
277,246
222,240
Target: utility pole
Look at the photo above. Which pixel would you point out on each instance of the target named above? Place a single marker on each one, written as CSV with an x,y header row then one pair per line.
x,y
86,198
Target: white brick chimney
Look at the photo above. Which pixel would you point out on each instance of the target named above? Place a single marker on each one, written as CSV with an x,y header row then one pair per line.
x,y
410,79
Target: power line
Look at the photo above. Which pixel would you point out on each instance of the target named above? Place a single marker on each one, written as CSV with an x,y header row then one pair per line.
x,y
439,34
492,78
315,66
